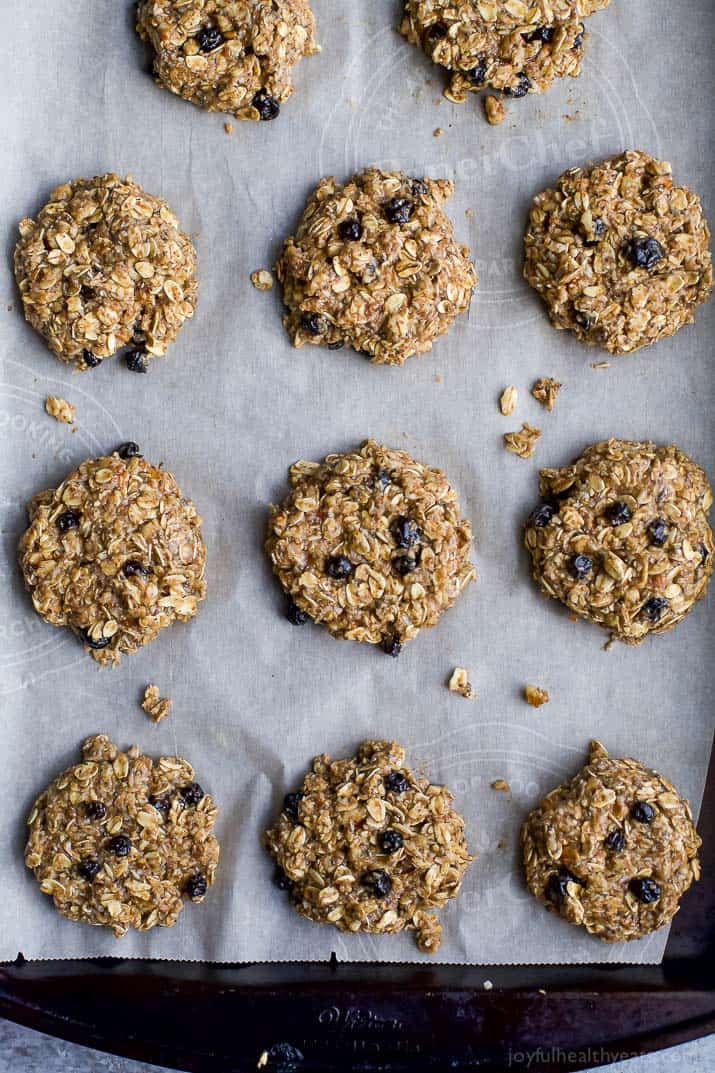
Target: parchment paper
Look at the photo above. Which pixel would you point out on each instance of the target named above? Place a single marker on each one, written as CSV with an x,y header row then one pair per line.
x,y
233,405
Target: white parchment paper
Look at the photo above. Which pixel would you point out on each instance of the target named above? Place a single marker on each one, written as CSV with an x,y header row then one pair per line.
x,y
233,405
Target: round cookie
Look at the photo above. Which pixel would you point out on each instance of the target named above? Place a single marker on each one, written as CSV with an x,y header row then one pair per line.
x,y
104,265
375,265
366,845
232,56
120,840
613,849
622,537
517,48
619,254
115,552
370,544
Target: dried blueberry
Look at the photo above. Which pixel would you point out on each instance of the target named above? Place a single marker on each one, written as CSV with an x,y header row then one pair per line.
x,y
478,74
312,323
584,320
338,567
405,533
618,513
296,615
191,794
578,39
93,642
541,516
520,88
642,812
282,881
290,805
68,519
383,478
129,450
88,867
120,846
90,360
615,840
541,33
337,345
266,106
391,645
654,608
284,1058
398,210
396,782
658,532
645,252
390,841
133,568
436,32
419,187
87,293
557,885
209,38
581,566
596,232
161,804
96,810
377,881
350,230
645,889
196,885
404,564
136,360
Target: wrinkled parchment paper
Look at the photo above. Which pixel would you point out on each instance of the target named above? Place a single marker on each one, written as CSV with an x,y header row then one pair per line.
x,y
233,405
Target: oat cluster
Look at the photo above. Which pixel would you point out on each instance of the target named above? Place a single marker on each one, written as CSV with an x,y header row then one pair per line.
x,y
234,56
370,544
60,409
102,266
375,265
614,849
619,254
116,553
120,840
622,537
155,706
522,443
366,845
515,46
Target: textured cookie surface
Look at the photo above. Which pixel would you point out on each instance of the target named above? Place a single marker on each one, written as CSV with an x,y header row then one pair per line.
x,y
232,56
375,265
367,845
104,265
116,553
370,544
622,537
121,839
619,254
516,47
614,849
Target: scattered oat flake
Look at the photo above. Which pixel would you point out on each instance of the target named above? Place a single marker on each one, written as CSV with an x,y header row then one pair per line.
x,y
228,127
263,1060
501,784
507,400
437,132
487,985
156,707
522,443
545,391
262,279
459,683
600,364
60,409
536,696
495,110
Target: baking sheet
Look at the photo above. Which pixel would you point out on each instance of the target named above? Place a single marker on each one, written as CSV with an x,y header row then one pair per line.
x,y
234,405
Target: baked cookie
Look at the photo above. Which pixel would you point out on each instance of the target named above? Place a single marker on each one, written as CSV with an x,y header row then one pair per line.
x,y
622,537
370,544
375,265
233,56
367,845
514,47
618,253
115,553
103,266
120,839
613,849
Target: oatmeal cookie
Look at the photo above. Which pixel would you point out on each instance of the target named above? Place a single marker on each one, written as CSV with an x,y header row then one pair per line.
x,y
515,47
622,537
234,56
115,553
370,544
367,845
618,253
375,265
120,839
613,849
103,266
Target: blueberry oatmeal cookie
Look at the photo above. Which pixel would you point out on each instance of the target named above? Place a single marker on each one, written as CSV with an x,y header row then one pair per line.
x,y
234,56
614,849
375,265
115,553
366,845
619,254
105,266
370,544
121,840
622,537
517,46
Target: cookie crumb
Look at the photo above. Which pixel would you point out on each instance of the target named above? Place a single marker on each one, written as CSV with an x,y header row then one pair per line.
x,y
228,127
60,409
536,696
459,683
501,784
437,132
262,279
507,400
156,707
495,110
522,443
262,1061
545,391
487,985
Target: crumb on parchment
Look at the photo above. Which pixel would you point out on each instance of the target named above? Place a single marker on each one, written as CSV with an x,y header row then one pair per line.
x,y
523,442
459,683
262,279
60,409
508,400
535,696
155,706
545,391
